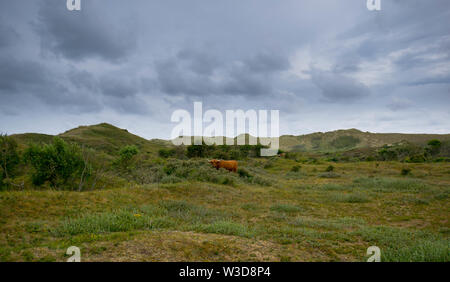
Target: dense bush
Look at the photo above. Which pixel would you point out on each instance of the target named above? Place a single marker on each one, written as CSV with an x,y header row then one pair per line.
x,y
226,152
405,171
243,173
55,163
434,147
126,156
9,158
295,168
166,153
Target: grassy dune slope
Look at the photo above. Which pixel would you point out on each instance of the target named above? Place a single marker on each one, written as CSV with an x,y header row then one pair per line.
x,y
102,137
350,139
307,215
110,139
280,210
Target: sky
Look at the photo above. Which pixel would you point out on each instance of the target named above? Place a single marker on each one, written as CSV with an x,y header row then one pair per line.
x,y
324,64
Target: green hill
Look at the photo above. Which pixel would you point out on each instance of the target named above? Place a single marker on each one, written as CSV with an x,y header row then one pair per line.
x,y
108,138
343,140
102,137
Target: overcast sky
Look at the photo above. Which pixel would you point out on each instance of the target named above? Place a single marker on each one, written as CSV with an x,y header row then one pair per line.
x,y
325,65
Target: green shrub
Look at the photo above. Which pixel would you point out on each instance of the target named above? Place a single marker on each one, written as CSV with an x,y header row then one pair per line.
x,y
9,157
126,156
296,168
330,168
55,163
261,181
434,146
405,171
418,158
166,153
243,173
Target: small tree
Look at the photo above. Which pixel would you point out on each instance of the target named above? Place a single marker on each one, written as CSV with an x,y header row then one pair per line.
x,y
196,151
126,156
166,153
434,147
330,168
55,163
9,157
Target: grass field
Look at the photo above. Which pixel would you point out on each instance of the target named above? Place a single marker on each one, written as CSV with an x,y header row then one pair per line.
x,y
301,214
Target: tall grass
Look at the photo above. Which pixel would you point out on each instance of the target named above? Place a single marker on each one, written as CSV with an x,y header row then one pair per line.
x,y
398,244
287,208
226,227
390,184
332,223
167,214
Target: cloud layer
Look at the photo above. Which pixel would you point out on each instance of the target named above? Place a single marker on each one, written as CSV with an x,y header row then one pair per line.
x,y
324,64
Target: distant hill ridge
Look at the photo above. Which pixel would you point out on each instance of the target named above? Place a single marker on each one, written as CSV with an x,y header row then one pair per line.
x,y
109,138
352,138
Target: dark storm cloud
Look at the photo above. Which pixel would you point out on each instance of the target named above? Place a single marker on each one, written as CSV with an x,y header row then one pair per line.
x,y
17,75
8,35
20,80
174,78
120,60
197,73
83,34
200,62
83,80
112,86
436,79
267,62
338,88
134,105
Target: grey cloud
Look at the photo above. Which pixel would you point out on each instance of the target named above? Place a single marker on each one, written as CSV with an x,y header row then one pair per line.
x,y
267,62
83,80
193,74
242,82
435,79
398,104
8,35
112,86
202,63
83,34
339,88
17,75
174,78
20,79
134,105
115,59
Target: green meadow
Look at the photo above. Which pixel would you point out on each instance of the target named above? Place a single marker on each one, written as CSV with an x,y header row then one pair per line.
x,y
119,197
